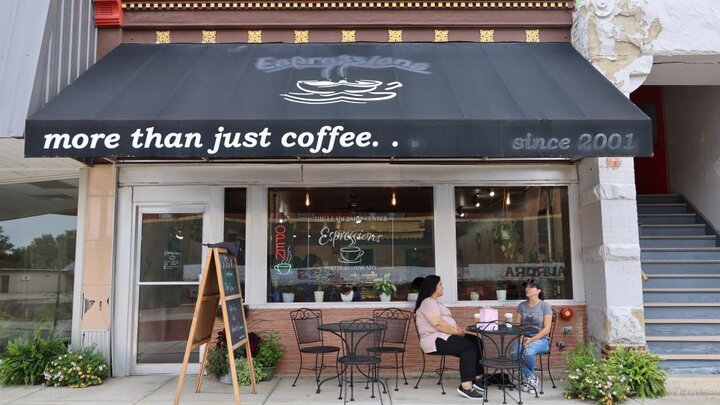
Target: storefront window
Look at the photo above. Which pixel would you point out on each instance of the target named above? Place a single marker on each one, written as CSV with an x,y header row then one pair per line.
x,y
332,244
234,229
508,234
38,223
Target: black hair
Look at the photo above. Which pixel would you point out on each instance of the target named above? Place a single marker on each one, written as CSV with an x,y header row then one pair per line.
x,y
536,284
427,288
416,283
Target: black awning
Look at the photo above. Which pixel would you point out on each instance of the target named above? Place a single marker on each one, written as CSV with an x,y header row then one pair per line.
x,y
360,100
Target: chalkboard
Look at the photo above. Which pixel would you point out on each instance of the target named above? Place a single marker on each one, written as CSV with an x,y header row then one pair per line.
x,y
229,274
236,321
219,285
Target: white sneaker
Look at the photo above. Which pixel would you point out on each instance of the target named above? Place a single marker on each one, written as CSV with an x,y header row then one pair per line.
x,y
532,383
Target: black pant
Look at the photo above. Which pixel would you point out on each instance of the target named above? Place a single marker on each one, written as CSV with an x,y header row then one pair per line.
x,y
467,350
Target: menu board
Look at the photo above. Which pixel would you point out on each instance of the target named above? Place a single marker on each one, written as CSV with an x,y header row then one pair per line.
x,y
219,285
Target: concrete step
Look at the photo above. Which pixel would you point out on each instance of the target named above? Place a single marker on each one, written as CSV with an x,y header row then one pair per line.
x,y
673,208
710,253
681,266
674,310
683,344
692,364
658,198
669,219
682,281
696,241
679,327
699,295
672,230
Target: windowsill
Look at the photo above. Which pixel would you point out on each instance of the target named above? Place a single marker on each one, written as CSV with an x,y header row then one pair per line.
x,y
400,304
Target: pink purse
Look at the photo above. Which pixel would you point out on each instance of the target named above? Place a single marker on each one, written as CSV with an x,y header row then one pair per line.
x,y
487,315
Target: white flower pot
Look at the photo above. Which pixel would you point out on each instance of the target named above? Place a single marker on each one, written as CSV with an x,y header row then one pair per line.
x,y
319,296
347,297
501,295
385,297
288,297
412,297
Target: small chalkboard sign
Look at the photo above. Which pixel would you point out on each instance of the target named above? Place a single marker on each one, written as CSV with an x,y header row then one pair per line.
x,y
219,285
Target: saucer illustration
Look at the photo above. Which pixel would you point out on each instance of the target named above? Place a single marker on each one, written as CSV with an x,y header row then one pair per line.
x,y
342,91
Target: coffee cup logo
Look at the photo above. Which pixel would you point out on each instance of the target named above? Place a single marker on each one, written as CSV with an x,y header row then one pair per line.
x,y
350,254
341,91
283,268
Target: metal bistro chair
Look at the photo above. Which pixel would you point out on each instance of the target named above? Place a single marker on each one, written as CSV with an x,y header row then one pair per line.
x,y
359,336
309,339
497,342
440,370
395,338
547,353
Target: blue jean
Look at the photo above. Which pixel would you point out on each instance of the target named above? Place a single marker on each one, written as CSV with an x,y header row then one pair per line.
x,y
529,353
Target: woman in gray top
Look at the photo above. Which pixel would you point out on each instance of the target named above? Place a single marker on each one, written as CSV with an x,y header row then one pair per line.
x,y
536,314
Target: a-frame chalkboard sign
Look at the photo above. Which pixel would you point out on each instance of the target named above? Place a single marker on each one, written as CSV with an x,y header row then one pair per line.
x,y
219,285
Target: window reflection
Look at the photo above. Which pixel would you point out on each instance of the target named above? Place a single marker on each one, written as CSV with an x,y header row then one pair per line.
x,y
234,229
507,234
38,224
331,244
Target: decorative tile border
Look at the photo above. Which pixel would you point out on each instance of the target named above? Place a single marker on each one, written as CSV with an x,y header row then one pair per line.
x,y
348,36
341,5
255,36
302,36
441,35
532,35
209,37
487,35
395,36
162,37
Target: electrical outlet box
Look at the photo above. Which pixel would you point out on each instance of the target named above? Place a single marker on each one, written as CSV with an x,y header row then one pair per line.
x,y
567,329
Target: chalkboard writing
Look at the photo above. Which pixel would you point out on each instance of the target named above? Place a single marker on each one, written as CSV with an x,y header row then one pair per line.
x,y
229,275
236,321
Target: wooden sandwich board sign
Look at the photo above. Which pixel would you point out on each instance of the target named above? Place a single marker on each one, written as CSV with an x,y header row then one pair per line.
x,y
219,285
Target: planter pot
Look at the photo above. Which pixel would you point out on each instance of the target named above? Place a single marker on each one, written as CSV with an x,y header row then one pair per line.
x,y
385,297
412,297
226,379
474,296
276,296
501,295
269,373
347,297
319,296
288,297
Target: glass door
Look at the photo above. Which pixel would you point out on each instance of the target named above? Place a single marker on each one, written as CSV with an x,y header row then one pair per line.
x,y
168,268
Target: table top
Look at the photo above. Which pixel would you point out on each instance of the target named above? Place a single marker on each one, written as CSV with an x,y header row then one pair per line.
x,y
351,327
515,329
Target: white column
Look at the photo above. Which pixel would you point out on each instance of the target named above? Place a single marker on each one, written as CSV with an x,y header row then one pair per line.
x,y
445,243
256,245
611,251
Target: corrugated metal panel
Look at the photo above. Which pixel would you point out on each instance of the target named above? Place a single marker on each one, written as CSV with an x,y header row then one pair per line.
x,y
99,339
68,49
22,25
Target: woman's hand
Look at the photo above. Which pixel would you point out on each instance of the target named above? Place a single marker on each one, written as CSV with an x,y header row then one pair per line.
x,y
459,332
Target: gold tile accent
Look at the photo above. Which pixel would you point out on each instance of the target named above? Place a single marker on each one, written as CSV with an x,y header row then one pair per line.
x,y
532,35
441,35
162,37
487,35
348,35
255,36
180,5
302,36
395,36
208,37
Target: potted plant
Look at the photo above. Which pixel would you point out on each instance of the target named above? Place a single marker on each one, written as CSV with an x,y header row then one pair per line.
x,y
505,235
288,293
346,294
384,287
321,280
501,290
413,294
270,351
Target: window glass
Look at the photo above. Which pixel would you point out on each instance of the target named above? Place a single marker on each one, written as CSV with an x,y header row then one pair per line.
x,y
506,235
234,229
38,223
334,243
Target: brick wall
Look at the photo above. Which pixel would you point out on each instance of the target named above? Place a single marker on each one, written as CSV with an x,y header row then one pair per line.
x,y
279,320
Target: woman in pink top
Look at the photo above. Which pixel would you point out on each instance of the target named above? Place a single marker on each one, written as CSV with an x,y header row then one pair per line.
x,y
440,334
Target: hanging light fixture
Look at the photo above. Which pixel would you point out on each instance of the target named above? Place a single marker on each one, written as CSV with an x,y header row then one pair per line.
x,y
507,198
492,193
393,201
307,198
477,201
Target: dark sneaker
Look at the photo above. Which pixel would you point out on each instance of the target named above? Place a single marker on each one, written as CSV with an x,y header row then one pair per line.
x,y
478,386
472,393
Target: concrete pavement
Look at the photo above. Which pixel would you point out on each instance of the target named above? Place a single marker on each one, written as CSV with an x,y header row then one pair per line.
x,y
160,390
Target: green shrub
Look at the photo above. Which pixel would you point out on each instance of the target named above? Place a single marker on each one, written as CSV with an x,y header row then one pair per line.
x,y
270,350
243,371
78,369
217,362
24,360
645,376
625,373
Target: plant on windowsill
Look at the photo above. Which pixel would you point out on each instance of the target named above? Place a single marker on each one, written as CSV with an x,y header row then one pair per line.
x,y
288,293
384,287
501,290
321,280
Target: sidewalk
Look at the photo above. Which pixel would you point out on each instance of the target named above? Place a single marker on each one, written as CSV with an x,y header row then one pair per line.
x,y
157,390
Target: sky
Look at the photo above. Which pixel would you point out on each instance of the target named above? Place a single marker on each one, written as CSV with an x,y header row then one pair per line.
x,y
22,231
